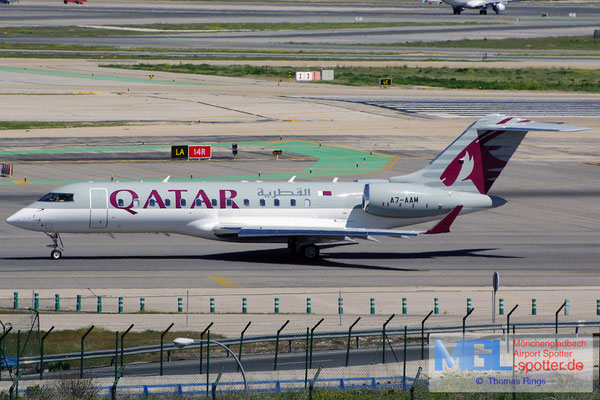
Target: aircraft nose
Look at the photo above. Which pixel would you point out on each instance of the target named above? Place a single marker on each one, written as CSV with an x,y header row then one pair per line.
x,y
21,219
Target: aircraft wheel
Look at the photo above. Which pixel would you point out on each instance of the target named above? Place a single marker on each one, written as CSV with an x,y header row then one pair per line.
x,y
55,254
310,252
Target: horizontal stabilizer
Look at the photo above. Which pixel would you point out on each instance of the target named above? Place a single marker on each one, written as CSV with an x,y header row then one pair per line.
x,y
444,225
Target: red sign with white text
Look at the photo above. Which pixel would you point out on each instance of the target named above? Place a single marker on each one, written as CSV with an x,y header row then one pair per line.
x,y
200,152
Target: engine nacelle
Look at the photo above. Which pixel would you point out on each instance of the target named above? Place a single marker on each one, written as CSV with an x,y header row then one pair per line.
x,y
499,7
404,200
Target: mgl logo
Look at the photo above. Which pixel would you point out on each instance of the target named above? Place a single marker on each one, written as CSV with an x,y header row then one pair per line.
x,y
486,352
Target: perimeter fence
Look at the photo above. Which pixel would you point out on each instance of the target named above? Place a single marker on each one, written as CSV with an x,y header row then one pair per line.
x,y
171,361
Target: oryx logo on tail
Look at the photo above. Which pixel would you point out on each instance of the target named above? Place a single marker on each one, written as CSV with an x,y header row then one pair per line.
x,y
476,163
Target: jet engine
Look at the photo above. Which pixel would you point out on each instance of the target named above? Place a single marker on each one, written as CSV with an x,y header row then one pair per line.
x,y
404,200
498,7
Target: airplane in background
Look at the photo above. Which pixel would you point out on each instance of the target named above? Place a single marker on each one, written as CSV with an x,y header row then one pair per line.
x,y
301,214
459,5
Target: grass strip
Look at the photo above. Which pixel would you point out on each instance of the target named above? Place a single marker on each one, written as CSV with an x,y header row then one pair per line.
x,y
83,31
19,125
564,79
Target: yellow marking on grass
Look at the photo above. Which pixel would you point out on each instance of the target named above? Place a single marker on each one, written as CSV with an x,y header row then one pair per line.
x,y
224,281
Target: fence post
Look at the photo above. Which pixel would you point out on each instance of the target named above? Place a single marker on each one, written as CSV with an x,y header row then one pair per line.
x,y
312,383
436,306
162,338
404,361
533,307
15,386
384,336
508,326
349,334
306,358
423,334
276,305
412,388
42,353
312,333
2,338
120,305
78,306
122,341
214,385
277,344
308,306
556,316
116,357
465,320
82,346
207,361
202,344
242,342
372,306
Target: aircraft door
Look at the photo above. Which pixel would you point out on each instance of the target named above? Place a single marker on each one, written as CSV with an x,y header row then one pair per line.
x,y
98,208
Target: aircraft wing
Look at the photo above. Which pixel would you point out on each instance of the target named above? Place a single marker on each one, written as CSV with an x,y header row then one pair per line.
x,y
265,232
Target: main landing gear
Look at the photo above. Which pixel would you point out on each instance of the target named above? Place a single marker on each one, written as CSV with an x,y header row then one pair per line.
x,y
307,251
57,249
457,10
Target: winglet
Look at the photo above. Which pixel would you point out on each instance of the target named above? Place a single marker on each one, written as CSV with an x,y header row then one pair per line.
x,y
444,225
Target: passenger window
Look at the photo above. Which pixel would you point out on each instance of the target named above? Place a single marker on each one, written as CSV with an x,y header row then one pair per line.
x,y
228,202
213,202
262,202
293,202
120,202
136,202
152,202
276,202
306,203
182,202
246,202
168,202
198,202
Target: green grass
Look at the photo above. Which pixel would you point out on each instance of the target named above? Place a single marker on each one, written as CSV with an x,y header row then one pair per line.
x,y
544,43
20,125
564,79
79,31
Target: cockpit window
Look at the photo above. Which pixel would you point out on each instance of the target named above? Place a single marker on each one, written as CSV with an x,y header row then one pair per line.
x,y
54,197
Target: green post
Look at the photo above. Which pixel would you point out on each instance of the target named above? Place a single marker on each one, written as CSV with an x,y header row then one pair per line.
x,y
16,300
469,304
566,306
372,306
308,306
241,343
340,305
533,307
57,302
78,308
501,308
207,361
180,304
120,305
276,305
597,307
277,344
99,306
212,305
312,335
116,355
306,359
36,301
18,359
244,305
436,306
142,304
349,337
404,305
162,342
122,346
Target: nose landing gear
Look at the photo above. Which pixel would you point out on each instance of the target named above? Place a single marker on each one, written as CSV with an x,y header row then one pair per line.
x,y
57,249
